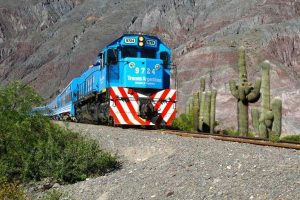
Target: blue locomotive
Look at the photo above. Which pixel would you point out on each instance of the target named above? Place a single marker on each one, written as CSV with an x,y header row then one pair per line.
x,y
129,84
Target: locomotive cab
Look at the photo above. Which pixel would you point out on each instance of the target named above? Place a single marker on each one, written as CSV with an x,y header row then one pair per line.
x,y
137,61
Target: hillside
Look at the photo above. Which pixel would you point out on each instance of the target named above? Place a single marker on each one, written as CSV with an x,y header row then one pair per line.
x,y
48,42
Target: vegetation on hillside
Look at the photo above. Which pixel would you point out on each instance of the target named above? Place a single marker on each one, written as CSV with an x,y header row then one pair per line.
x,y
31,147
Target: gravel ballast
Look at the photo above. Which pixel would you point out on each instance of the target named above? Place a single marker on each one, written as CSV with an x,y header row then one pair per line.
x,y
158,166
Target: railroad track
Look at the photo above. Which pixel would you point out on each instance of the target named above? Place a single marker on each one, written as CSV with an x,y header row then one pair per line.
x,y
247,140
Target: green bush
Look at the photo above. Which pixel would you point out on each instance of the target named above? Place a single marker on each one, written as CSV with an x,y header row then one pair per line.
x,y
55,195
183,122
231,132
11,191
31,147
294,138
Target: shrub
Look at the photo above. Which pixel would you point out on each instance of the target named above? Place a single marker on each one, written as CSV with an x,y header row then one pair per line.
x,y
294,138
11,191
231,132
183,122
31,147
55,195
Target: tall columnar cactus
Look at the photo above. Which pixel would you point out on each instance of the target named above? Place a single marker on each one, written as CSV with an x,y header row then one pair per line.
x,y
207,108
244,92
201,104
212,111
195,111
206,112
270,117
265,118
189,106
201,112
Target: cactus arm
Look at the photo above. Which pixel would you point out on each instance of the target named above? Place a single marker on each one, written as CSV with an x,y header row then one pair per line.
x,y
263,133
266,85
248,89
277,111
234,89
269,115
254,95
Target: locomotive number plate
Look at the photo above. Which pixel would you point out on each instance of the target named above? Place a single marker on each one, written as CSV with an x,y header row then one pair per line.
x,y
151,42
130,40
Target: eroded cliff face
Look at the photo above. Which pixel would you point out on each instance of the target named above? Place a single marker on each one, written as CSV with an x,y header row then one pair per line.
x,y
47,43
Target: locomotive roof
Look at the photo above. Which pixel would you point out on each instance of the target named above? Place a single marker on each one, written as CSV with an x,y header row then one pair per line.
x,y
134,34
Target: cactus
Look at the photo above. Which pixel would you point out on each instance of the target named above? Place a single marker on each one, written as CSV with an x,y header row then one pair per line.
x,y
207,108
213,111
188,107
195,111
255,119
265,86
206,112
202,85
201,103
201,113
277,111
270,118
245,93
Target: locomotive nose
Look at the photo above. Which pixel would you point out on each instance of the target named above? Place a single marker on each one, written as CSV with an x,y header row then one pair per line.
x,y
143,73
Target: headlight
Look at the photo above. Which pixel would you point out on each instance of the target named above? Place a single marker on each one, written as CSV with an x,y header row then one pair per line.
x,y
141,38
157,66
131,64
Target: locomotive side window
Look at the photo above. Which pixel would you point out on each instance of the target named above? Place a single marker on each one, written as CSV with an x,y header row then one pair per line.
x,y
129,52
164,56
112,56
148,53
99,60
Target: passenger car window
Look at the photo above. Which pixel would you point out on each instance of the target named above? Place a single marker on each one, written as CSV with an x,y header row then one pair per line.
x,y
164,56
129,52
148,53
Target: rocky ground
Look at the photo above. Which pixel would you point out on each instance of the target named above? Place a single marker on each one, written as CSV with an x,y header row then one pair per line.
x,y
158,166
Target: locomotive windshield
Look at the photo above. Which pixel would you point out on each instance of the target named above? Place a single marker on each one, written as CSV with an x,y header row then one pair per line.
x,y
148,53
132,52
129,52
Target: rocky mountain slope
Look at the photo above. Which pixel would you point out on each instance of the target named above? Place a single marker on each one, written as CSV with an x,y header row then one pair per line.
x,y
48,42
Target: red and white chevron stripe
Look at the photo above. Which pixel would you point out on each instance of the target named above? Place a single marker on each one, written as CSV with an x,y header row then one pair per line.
x,y
124,106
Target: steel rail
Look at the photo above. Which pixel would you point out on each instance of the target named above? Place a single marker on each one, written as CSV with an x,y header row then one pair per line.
x,y
246,140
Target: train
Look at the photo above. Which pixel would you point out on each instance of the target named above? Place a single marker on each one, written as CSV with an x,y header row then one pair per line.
x,y
128,84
